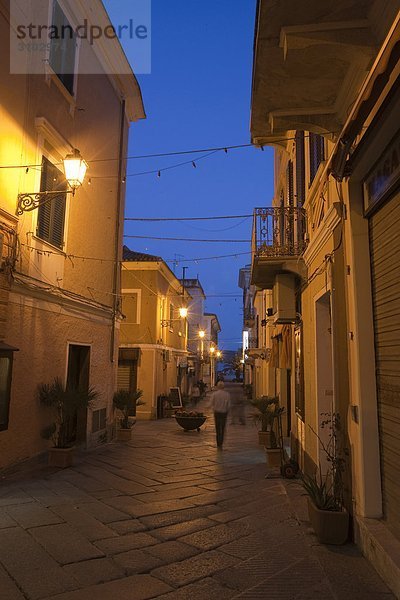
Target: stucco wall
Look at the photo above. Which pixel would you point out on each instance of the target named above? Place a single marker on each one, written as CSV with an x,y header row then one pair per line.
x,y
39,361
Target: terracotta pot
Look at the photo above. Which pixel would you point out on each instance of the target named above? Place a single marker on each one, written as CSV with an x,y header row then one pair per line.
x,y
124,435
60,457
264,438
331,527
274,457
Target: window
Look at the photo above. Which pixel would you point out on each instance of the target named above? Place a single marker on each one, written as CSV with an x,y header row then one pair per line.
x,y
317,153
130,307
99,420
51,214
6,359
63,49
171,317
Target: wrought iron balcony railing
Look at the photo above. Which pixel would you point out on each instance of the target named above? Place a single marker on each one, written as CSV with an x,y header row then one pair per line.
x,y
278,232
253,342
249,314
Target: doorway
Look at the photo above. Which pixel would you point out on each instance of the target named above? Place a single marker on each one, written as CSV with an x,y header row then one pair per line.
x,y
324,371
78,372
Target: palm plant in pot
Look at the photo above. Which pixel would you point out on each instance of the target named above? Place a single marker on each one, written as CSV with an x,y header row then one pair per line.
x,y
325,490
264,415
273,446
126,402
64,402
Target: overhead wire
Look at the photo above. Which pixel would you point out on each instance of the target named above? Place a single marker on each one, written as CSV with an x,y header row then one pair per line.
x,y
211,150
105,260
161,219
178,239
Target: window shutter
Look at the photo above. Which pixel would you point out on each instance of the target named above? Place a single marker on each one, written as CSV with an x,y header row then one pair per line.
x,y
289,184
63,49
51,214
300,169
317,153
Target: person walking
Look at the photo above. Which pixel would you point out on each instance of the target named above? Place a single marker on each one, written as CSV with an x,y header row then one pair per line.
x,y
220,404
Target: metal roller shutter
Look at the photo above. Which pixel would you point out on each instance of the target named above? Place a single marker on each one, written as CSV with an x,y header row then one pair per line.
x,y
124,377
385,266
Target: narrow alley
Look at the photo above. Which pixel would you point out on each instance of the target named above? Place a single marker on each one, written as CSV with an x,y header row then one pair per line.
x,y
168,516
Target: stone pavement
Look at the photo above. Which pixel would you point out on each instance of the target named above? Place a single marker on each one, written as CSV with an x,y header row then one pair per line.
x,y
168,516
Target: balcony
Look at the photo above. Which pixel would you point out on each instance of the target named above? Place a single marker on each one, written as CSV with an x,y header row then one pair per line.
x,y
309,60
277,244
249,317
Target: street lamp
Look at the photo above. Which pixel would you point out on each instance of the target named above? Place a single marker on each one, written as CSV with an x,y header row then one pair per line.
x,y
74,169
183,312
212,365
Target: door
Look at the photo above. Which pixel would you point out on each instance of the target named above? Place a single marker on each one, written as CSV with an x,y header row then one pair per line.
x,y
78,378
385,271
324,370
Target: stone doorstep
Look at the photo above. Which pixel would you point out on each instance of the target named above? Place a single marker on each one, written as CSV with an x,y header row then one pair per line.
x,y
381,548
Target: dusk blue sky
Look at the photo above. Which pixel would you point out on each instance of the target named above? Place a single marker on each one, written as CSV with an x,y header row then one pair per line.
x,y
198,96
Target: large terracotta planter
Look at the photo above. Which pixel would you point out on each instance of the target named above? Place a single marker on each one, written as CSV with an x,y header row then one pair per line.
x,y
60,457
331,527
190,423
274,457
264,438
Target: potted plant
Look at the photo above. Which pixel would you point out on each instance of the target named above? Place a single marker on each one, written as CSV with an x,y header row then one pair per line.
x,y
326,510
273,449
264,416
126,402
248,390
65,402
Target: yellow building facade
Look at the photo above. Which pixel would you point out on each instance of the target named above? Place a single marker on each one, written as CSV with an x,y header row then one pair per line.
x,y
60,261
153,353
327,247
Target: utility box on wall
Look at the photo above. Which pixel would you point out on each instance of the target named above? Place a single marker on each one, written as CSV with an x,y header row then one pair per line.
x,y
284,299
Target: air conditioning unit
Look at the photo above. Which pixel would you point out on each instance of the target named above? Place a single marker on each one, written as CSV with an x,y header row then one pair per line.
x,y
167,355
284,299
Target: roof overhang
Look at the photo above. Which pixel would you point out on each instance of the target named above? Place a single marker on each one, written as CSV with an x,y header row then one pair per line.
x,y
308,60
112,57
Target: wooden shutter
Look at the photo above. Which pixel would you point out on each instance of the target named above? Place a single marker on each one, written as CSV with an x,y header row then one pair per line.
x,y
300,169
51,214
289,184
63,49
317,153
385,271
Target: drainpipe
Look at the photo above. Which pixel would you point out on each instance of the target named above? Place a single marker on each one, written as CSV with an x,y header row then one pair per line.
x,y
116,277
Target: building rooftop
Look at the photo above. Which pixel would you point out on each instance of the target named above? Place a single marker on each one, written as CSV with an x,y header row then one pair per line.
x,y
192,283
131,255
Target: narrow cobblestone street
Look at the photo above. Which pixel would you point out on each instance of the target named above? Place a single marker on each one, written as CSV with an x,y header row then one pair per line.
x,y
168,516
